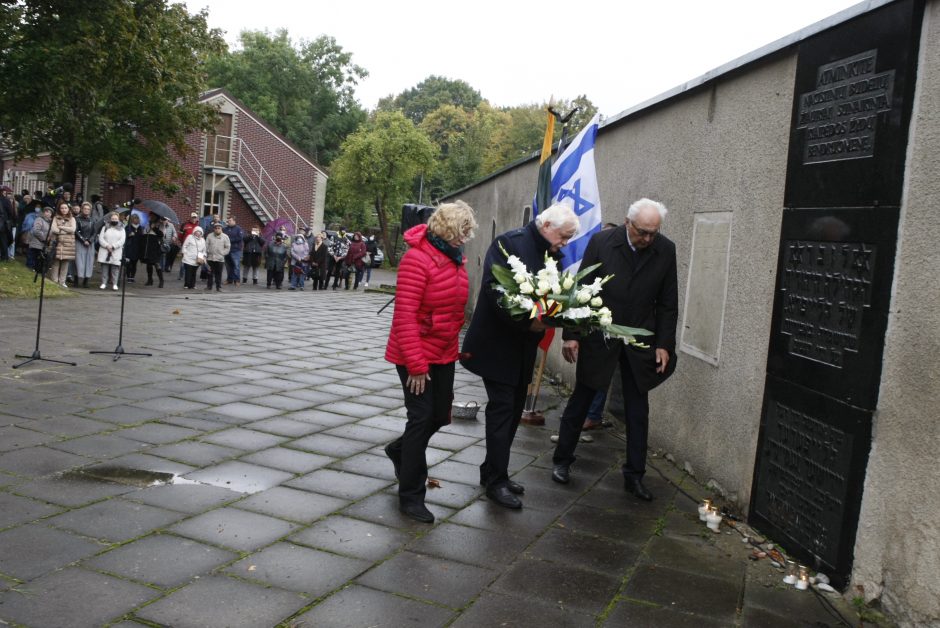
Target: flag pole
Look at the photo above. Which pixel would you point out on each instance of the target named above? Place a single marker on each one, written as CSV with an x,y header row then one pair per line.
x,y
530,415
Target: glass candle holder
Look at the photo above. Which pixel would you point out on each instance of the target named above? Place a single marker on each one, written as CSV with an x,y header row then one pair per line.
x,y
802,581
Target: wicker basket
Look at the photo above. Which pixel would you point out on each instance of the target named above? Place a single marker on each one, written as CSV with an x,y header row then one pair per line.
x,y
467,411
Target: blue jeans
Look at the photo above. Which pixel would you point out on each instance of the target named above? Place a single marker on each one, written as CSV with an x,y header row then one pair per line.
x,y
233,266
596,411
296,279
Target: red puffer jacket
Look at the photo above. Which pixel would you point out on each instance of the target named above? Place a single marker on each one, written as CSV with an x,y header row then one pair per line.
x,y
430,299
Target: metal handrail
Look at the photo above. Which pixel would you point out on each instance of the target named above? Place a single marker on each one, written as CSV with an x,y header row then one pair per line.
x,y
242,160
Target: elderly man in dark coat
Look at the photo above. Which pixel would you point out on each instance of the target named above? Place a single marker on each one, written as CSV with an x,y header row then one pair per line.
x,y
642,293
502,351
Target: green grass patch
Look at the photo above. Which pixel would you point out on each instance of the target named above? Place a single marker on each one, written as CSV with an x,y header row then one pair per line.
x,y
16,282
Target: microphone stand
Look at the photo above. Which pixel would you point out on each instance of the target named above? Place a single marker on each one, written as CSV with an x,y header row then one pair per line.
x,y
119,349
36,355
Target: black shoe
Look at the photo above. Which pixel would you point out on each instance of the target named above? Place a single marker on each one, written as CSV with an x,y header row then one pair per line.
x,y
561,473
514,487
217,289
502,496
396,460
418,512
635,485
149,282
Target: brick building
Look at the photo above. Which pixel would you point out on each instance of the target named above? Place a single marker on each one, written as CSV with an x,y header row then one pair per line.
x,y
244,169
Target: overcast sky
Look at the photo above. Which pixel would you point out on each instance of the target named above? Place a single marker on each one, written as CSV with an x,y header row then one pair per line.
x,y
521,51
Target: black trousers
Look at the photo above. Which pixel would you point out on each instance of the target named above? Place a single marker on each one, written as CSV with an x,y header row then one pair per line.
x,y
276,276
636,411
427,413
504,407
189,280
150,268
215,273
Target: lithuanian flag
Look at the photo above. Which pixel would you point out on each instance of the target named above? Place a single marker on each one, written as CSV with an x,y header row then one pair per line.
x,y
543,193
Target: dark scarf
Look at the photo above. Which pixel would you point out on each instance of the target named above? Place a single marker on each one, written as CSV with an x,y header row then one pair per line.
x,y
453,253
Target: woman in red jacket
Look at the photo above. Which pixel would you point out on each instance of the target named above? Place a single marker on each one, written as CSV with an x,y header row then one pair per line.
x,y
430,298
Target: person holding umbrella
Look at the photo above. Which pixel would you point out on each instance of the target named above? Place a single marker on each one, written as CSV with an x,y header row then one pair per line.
x,y
151,250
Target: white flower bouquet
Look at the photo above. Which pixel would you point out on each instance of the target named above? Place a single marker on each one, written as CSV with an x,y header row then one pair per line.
x,y
558,299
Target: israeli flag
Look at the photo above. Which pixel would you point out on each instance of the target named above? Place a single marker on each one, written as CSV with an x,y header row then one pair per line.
x,y
574,183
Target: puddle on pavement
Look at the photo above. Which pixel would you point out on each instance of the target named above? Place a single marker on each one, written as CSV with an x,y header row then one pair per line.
x,y
122,475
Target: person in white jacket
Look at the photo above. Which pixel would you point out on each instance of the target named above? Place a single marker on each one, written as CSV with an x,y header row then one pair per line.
x,y
194,256
111,250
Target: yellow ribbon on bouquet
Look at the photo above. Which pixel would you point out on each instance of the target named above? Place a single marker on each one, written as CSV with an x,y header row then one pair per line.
x,y
545,307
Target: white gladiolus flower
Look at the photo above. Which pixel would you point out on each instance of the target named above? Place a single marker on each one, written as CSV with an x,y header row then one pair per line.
x,y
583,295
526,303
519,278
567,283
516,264
526,288
604,311
556,287
605,320
577,313
597,302
595,287
543,287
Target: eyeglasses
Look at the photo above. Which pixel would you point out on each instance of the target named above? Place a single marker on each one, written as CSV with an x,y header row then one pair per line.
x,y
644,233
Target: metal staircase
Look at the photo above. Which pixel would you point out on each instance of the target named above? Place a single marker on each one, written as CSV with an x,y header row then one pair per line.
x,y
231,157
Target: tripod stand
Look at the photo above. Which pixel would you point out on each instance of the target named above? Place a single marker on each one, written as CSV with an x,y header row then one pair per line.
x,y
119,349
36,355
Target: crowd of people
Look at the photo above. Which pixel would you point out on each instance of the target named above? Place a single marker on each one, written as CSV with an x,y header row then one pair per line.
x,y
65,239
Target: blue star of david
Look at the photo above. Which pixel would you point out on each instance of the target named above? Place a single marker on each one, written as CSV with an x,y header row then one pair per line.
x,y
581,204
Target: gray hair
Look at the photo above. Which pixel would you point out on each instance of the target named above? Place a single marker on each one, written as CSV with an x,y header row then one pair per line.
x,y
645,202
560,216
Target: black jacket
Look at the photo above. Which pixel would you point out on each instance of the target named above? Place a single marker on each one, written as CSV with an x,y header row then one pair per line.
x,y
500,348
642,293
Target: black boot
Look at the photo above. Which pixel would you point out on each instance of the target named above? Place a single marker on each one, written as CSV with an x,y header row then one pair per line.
x,y
160,277
85,282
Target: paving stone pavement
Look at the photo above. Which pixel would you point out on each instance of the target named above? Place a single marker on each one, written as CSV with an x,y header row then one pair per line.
x,y
266,499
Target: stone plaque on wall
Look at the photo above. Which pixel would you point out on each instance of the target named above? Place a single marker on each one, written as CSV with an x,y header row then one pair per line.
x,y
811,462
834,272
706,288
851,110
852,100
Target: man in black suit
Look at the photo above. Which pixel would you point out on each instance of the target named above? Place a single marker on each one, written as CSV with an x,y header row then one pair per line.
x,y
642,293
502,351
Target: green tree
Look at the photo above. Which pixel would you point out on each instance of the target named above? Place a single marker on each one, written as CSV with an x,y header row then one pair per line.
x,y
525,131
379,163
112,84
464,138
428,95
307,92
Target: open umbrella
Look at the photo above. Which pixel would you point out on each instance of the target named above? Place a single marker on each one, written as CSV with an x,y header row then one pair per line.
x,y
160,209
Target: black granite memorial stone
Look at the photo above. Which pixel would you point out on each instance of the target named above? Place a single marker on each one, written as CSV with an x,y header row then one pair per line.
x,y
811,461
851,110
852,103
833,290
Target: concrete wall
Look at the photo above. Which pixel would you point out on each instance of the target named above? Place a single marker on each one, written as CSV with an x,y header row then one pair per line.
x,y
722,146
897,549
708,415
